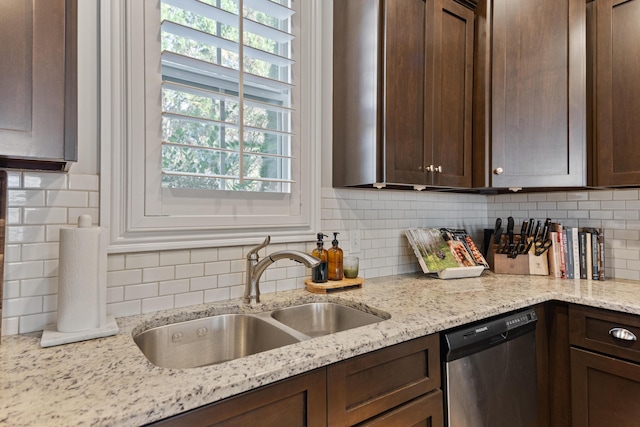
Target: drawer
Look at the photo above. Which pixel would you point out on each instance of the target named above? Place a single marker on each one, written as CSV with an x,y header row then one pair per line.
x,y
425,410
368,385
592,328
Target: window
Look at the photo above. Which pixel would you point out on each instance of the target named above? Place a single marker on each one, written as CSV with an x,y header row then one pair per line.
x,y
208,105
226,94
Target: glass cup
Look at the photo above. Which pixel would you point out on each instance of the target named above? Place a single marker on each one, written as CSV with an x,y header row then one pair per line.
x,y
350,266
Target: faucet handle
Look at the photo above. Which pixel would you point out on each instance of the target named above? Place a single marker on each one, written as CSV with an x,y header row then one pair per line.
x,y
254,252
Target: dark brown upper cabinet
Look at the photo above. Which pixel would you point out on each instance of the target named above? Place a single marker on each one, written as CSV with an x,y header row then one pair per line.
x,y
402,93
530,94
614,32
38,106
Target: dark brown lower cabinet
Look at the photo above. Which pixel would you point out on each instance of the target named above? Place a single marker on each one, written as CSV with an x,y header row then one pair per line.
x,y
295,402
393,386
605,391
368,386
605,367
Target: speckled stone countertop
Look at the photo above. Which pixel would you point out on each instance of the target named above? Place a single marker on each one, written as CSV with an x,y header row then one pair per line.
x,y
108,381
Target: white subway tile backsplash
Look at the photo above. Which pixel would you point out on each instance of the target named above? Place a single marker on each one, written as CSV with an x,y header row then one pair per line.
x,y
25,233
36,322
204,255
124,277
10,325
174,287
233,279
127,308
219,267
40,251
84,182
44,180
203,283
65,198
155,304
25,198
187,271
175,257
156,274
191,298
24,270
142,260
143,282
146,290
39,286
22,306
217,294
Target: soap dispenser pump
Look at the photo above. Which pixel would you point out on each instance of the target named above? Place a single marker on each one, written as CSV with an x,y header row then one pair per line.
x,y
335,260
319,274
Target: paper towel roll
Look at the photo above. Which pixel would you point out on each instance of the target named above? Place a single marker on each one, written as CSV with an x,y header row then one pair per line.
x,y
82,277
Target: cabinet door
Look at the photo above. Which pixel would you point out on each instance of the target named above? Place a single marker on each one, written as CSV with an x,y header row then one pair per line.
x,y
295,402
533,127
450,141
604,391
403,119
617,92
369,385
37,88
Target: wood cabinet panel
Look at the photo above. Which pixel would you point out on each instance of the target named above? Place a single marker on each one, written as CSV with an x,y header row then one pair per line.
x,y
295,402
531,125
368,385
605,391
38,86
617,92
589,328
425,411
450,144
404,82
402,93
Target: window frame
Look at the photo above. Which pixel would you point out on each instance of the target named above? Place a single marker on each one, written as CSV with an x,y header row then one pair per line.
x,y
128,114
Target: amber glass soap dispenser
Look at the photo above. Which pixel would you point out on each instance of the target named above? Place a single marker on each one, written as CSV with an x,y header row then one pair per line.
x,y
319,273
335,260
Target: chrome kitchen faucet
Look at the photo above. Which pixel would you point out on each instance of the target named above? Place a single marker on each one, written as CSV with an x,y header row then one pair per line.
x,y
255,268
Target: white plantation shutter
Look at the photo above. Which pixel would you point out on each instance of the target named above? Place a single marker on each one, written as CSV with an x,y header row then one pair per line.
x,y
227,95
212,114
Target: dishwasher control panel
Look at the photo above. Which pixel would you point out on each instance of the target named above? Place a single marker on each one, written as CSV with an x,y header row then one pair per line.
x,y
466,339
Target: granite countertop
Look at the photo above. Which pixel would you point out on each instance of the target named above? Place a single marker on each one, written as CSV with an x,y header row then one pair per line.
x,y
108,381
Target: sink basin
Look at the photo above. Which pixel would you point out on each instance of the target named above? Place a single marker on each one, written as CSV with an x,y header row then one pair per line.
x,y
317,319
210,340
217,339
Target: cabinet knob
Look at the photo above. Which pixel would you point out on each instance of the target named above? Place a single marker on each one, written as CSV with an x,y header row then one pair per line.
x,y
438,169
430,168
622,334
498,171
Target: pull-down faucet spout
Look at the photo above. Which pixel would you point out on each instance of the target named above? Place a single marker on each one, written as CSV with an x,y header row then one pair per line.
x,y
255,268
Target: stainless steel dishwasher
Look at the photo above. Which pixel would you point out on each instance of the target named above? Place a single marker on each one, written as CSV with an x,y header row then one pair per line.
x,y
490,372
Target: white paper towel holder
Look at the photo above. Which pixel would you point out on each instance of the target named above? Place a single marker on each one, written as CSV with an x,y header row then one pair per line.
x,y
105,325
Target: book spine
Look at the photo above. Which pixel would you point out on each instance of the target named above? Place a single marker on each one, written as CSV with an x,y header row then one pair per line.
x,y
561,249
595,271
576,252
568,250
582,253
601,254
588,253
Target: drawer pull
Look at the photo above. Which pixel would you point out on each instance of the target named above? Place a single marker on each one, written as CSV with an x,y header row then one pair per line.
x,y
622,334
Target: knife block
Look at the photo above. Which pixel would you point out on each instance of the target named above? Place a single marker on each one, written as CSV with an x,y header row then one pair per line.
x,y
524,264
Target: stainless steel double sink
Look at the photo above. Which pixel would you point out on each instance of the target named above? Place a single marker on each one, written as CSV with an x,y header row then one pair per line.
x,y
225,337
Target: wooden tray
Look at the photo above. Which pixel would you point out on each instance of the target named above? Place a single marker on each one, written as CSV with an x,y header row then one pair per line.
x,y
334,285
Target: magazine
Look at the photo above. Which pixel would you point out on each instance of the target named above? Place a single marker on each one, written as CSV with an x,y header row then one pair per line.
x,y
440,248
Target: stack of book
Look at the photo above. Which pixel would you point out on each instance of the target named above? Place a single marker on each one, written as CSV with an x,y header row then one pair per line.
x,y
576,253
